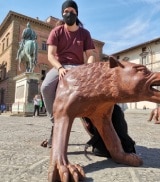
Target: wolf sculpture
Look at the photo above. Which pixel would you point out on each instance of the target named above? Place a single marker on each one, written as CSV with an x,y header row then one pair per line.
x,y
91,91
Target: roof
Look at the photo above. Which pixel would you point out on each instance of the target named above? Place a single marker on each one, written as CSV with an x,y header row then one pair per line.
x,y
139,45
18,15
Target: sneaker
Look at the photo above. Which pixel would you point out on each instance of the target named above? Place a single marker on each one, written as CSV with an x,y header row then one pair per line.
x,y
44,143
99,153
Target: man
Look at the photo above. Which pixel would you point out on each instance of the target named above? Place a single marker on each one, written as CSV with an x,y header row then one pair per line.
x,y
67,44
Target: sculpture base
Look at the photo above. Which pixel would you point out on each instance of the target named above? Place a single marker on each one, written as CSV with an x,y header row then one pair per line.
x,y
26,88
25,109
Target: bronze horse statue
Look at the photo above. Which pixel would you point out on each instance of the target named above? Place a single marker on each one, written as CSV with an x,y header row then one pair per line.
x,y
28,55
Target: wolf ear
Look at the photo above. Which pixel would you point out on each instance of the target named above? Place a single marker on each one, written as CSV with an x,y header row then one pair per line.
x,y
113,62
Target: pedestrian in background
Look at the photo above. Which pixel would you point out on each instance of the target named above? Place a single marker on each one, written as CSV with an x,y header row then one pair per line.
x,y
37,102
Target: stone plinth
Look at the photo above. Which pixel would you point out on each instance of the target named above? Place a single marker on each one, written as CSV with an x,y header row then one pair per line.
x,y
26,89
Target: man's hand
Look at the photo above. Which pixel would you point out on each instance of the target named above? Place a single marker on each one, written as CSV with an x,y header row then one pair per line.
x,y
62,71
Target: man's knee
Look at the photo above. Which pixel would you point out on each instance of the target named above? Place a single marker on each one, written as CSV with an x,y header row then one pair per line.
x,y
44,89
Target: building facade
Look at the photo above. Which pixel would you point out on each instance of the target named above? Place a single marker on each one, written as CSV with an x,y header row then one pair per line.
x,y
10,35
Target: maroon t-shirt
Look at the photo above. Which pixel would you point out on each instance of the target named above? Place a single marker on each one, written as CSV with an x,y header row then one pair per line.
x,y
70,45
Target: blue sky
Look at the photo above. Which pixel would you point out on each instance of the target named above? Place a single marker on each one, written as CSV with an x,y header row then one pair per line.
x,y
120,24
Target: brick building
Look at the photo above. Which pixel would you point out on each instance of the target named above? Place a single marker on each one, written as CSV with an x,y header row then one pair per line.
x,y
10,35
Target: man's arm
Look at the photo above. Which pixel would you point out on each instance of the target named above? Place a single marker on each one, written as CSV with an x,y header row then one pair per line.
x,y
91,55
51,56
54,62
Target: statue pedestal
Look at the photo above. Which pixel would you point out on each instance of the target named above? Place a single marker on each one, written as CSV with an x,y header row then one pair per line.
x,y
26,89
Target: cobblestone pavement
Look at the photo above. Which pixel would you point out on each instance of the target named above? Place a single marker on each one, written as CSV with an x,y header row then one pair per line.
x,y
22,159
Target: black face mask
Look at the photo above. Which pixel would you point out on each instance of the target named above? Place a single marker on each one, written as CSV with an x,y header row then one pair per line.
x,y
69,18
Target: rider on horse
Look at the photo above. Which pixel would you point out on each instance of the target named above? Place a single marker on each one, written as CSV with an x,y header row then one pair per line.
x,y
27,34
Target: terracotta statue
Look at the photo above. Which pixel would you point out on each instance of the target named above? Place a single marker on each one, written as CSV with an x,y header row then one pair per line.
x,y
155,114
92,90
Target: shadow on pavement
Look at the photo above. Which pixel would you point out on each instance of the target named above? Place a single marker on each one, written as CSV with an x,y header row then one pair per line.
x,y
150,158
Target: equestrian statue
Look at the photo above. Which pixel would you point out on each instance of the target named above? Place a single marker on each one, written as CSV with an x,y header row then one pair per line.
x,y
28,48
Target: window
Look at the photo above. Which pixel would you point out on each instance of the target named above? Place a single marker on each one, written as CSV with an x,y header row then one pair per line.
x,y
2,92
118,57
44,45
145,60
126,59
7,40
144,49
2,72
144,56
43,72
3,46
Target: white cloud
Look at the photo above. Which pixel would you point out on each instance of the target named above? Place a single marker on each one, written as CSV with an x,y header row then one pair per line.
x,y
153,2
134,28
149,1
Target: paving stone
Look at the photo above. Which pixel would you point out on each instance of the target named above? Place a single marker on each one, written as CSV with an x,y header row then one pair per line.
x,y
22,159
